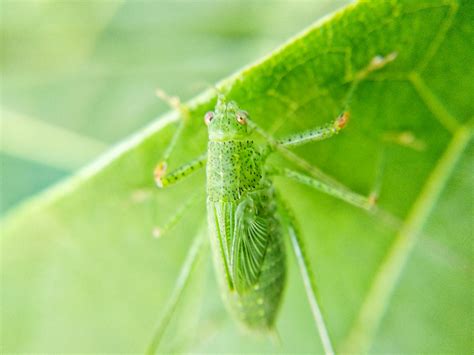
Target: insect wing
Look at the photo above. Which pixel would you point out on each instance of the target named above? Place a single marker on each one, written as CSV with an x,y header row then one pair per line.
x,y
250,242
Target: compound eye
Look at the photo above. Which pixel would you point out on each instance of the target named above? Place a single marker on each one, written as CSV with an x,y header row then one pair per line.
x,y
242,117
208,117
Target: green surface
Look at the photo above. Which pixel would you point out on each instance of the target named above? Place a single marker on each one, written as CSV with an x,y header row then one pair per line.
x,y
82,273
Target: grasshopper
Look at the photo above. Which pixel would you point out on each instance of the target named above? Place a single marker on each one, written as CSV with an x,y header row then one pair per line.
x,y
247,218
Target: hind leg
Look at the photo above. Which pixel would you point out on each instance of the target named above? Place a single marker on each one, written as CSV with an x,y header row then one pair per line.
x,y
183,280
305,271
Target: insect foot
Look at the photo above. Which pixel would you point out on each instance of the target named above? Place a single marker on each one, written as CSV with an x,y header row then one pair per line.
x,y
372,200
157,232
342,120
379,61
173,101
159,172
376,63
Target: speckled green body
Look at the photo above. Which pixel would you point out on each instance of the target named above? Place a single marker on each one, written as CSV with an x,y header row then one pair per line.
x,y
241,197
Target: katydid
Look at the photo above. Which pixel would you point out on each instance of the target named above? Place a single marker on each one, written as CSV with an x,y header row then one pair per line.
x,y
247,218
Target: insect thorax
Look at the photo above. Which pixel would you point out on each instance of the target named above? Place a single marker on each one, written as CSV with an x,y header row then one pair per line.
x,y
233,168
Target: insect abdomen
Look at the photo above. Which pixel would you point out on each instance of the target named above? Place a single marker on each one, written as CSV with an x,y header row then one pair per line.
x,y
254,305
257,307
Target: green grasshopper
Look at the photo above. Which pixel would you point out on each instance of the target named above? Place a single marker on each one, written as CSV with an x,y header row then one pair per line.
x,y
247,219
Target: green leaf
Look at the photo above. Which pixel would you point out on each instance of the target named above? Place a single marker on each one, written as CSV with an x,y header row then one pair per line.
x,y
81,271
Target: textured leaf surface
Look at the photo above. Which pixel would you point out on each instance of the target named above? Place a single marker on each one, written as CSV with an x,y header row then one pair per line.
x,y
81,271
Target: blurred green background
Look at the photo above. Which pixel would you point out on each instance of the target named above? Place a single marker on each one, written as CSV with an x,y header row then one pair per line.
x,y
82,271
78,76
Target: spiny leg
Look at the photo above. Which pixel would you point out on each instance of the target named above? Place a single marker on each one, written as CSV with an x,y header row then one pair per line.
x,y
326,132
273,145
308,279
319,179
316,134
163,179
366,203
343,193
187,268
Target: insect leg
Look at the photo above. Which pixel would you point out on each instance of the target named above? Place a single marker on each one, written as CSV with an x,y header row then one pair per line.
x,y
338,191
321,133
174,103
162,179
333,128
159,232
187,269
308,279
316,134
378,62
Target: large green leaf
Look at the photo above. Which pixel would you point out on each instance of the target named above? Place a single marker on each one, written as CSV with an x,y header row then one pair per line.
x,y
81,271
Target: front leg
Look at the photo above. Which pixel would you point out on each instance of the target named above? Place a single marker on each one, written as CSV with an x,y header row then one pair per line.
x,y
162,179
321,133
316,134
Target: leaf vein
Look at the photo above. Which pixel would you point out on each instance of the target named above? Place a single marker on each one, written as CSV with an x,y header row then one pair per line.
x,y
440,36
439,111
388,275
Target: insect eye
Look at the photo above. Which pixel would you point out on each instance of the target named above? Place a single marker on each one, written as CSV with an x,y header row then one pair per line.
x,y
242,117
208,117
